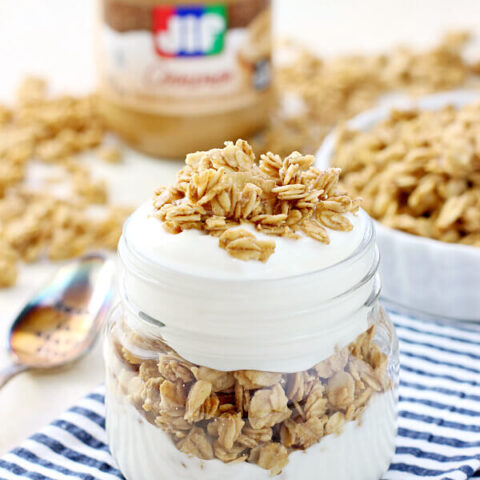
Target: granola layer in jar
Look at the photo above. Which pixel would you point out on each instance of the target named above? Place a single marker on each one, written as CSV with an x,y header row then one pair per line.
x,y
242,349
176,77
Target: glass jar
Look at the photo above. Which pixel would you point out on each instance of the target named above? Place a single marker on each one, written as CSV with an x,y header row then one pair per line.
x,y
212,378
177,77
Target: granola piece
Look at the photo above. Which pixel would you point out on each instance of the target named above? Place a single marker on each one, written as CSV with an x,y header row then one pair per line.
x,y
229,427
208,409
272,456
340,390
361,400
173,422
198,394
316,403
11,207
91,190
302,434
8,264
315,230
334,220
26,236
243,245
206,185
251,437
334,363
5,115
293,166
151,395
240,397
186,216
234,454
291,192
237,157
110,154
11,173
362,345
299,385
335,424
202,403
148,369
220,381
53,150
268,407
196,444
173,396
173,369
253,379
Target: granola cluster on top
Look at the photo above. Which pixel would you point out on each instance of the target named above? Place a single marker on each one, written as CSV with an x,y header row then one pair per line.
x,y
225,188
248,415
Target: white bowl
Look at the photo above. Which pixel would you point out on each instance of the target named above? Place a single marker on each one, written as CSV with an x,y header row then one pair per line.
x,y
422,275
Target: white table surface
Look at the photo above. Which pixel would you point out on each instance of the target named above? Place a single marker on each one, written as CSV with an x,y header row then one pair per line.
x,y
55,38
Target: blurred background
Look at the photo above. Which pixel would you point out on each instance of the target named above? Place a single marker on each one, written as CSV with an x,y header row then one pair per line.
x,y
55,39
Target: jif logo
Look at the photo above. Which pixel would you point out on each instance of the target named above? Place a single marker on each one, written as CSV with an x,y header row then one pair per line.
x,y
189,31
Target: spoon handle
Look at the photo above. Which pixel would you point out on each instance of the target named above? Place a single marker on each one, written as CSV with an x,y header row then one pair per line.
x,y
10,371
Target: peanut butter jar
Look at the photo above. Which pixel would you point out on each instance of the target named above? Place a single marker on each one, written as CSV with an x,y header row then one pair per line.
x,y
176,77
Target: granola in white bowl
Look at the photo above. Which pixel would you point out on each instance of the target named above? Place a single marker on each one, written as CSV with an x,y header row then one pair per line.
x,y
417,169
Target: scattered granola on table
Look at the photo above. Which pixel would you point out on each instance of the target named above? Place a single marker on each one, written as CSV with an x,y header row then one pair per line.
x,y
248,415
418,171
51,131
332,90
222,189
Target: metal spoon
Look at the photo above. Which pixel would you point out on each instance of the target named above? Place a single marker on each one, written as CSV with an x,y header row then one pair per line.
x,y
61,322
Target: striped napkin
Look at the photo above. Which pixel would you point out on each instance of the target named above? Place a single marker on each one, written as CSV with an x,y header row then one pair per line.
x,y
438,426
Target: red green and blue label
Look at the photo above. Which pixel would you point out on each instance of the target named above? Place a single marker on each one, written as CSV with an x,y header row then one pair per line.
x,y
189,30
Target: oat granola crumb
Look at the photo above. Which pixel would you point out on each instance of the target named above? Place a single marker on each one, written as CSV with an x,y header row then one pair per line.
x,y
110,154
8,265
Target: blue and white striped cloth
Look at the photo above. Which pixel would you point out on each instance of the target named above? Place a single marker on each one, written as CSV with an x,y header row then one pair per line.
x,y
438,427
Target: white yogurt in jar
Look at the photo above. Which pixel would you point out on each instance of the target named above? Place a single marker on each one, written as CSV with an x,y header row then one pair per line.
x,y
195,253
284,315
362,451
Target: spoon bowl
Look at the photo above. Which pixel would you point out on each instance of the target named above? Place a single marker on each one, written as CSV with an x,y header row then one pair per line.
x,y
61,322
